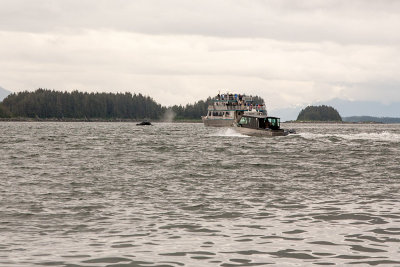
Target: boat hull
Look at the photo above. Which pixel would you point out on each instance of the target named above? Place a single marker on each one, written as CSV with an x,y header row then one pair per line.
x,y
260,132
217,122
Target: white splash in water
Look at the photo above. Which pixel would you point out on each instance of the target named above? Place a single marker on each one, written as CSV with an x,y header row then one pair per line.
x,y
228,132
169,116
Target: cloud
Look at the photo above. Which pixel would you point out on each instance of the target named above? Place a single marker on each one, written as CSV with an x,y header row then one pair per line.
x,y
357,21
288,52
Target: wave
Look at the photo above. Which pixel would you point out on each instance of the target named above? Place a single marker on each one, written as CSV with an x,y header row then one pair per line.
x,y
382,136
228,132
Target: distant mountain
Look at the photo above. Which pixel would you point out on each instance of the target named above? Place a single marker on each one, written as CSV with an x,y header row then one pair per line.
x,y
349,108
371,119
3,93
346,108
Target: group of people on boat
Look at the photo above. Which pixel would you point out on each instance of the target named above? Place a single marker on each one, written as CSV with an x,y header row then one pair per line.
x,y
238,101
241,105
237,97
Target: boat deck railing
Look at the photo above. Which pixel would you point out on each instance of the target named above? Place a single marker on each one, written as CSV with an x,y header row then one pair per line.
x,y
235,108
228,107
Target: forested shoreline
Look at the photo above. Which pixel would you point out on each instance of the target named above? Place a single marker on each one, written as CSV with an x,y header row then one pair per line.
x,y
51,105
44,104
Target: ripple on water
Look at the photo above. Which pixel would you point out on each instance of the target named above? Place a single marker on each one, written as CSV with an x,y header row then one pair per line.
x,y
113,194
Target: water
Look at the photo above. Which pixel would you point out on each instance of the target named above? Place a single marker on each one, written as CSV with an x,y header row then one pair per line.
x,y
116,194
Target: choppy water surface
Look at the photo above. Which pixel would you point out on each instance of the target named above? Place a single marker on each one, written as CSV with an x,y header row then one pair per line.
x,y
116,194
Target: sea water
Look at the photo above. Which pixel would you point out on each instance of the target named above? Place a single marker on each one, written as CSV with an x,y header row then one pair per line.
x,y
117,194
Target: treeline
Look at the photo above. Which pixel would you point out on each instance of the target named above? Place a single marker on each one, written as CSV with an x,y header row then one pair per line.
x,y
46,104
319,113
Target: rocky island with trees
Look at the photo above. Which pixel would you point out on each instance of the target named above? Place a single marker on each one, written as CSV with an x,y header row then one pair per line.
x,y
319,113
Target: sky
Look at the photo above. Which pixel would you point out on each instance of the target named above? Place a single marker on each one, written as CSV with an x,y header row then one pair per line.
x,y
288,52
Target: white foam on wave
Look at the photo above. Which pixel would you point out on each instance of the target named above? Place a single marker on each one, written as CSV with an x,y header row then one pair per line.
x,y
228,132
382,136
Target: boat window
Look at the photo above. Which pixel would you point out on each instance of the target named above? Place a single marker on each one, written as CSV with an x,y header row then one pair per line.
x,y
274,122
243,121
253,122
249,121
261,123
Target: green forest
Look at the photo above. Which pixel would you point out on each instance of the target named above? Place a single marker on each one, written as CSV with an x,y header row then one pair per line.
x,y
46,104
50,104
319,113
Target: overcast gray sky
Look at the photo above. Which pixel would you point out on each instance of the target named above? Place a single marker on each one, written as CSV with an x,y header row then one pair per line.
x,y
288,52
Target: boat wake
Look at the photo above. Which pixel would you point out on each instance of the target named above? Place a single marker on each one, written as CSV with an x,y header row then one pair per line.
x,y
382,136
228,132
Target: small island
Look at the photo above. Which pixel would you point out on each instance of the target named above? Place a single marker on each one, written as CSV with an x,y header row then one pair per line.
x,y
319,113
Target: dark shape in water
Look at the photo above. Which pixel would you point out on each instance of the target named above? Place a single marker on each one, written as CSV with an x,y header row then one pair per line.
x,y
144,123
291,131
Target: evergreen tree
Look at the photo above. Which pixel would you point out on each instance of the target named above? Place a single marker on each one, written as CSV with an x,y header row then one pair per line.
x,y
4,113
